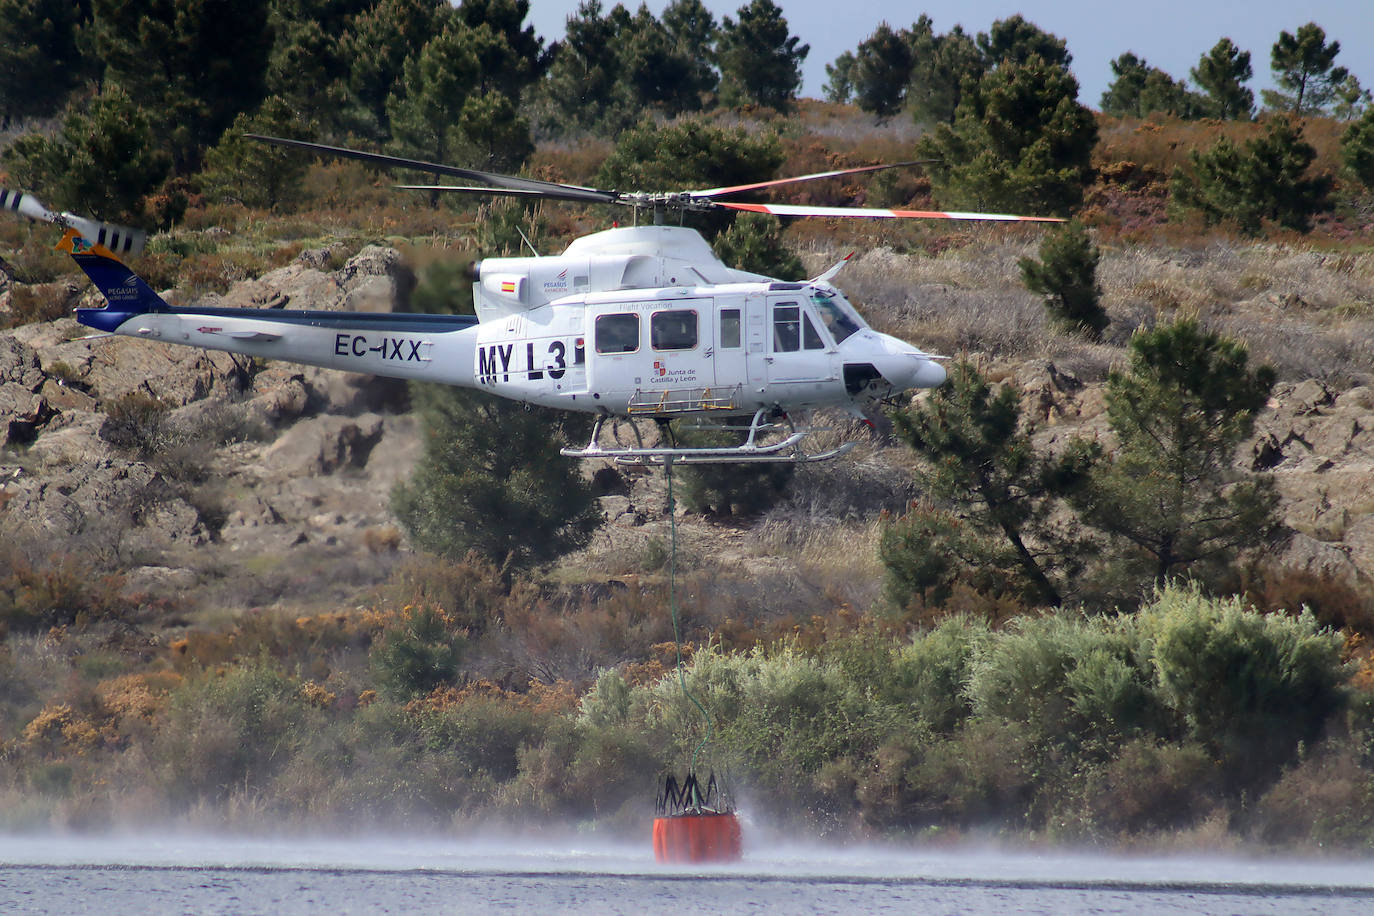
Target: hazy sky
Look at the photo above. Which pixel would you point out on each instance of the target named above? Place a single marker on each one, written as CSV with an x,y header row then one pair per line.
x,y
1170,34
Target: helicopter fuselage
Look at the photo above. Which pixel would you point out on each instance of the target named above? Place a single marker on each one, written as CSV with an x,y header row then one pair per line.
x,y
549,332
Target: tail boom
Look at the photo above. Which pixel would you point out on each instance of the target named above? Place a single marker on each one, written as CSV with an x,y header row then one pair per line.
x,y
436,347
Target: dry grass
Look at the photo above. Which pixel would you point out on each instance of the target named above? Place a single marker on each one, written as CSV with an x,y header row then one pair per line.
x,y
1162,143
1308,312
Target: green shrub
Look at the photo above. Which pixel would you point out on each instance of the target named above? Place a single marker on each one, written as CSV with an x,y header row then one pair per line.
x,y
228,732
1071,681
469,591
418,653
1148,786
1326,800
919,558
730,490
479,735
985,775
930,675
44,302
1250,687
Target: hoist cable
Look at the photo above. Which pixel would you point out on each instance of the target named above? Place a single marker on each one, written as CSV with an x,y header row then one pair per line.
x,y
677,630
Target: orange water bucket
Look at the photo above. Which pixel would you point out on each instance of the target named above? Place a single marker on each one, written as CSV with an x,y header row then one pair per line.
x,y
691,838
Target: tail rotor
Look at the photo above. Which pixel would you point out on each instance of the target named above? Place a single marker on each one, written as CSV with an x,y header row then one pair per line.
x,y
122,240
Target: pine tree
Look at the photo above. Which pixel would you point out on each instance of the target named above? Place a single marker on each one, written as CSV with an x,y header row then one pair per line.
x,y
192,65
1123,93
694,33
1222,73
691,153
658,73
102,163
754,243
1020,141
40,56
425,109
941,66
1304,68
1140,90
882,70
760,60
509,58
1066,275
584,88
496,133
491,481
979,460
377,46
1170,497
1357,148
520,57
839,78
1266,179
1351,100
1016,40
252,173
308,68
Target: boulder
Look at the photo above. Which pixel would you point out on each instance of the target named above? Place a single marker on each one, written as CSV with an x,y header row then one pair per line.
x,y
23,408
324,445
1310,396
295,286
112,506
1319,558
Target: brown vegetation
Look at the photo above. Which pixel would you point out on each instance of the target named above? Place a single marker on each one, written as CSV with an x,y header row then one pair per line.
x,y
235,672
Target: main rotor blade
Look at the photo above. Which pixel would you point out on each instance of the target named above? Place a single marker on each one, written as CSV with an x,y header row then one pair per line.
x,y
549,189
513,192
876,213
741,188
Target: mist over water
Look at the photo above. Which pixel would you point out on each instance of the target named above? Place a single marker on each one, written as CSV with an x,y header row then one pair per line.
x,y
180,873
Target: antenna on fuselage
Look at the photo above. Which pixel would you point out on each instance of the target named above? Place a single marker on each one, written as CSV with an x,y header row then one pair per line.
x,y
528,244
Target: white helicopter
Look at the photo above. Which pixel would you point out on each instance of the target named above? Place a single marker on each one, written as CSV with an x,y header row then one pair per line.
x,y
634,322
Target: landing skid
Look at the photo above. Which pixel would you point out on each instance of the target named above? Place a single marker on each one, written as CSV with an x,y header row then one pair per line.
x,y
787,450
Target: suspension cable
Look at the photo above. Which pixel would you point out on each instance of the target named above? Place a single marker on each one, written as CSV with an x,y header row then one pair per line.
x,y
677,629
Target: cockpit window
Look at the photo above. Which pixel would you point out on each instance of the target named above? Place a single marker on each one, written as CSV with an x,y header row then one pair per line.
x,y
838,320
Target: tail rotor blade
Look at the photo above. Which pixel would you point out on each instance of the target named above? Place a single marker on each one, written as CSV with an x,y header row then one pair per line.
x,y
119,239
26,205
123,240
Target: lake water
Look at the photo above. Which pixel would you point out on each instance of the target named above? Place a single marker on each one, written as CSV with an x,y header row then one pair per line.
x,y
149,874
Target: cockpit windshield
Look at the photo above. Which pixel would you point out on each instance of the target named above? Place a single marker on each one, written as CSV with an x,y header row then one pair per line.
x,y
839,317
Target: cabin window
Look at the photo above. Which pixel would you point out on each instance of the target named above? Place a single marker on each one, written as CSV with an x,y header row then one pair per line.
x,y
729,329
617,333
786,327
811,338
675,330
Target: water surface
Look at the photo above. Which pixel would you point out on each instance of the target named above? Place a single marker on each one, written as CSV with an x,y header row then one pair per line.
x,y
157,874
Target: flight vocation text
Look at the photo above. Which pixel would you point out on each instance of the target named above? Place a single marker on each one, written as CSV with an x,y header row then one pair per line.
x,y
392,348
498,362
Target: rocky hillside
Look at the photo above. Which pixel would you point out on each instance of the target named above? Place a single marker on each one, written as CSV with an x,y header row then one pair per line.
x,y
234,484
